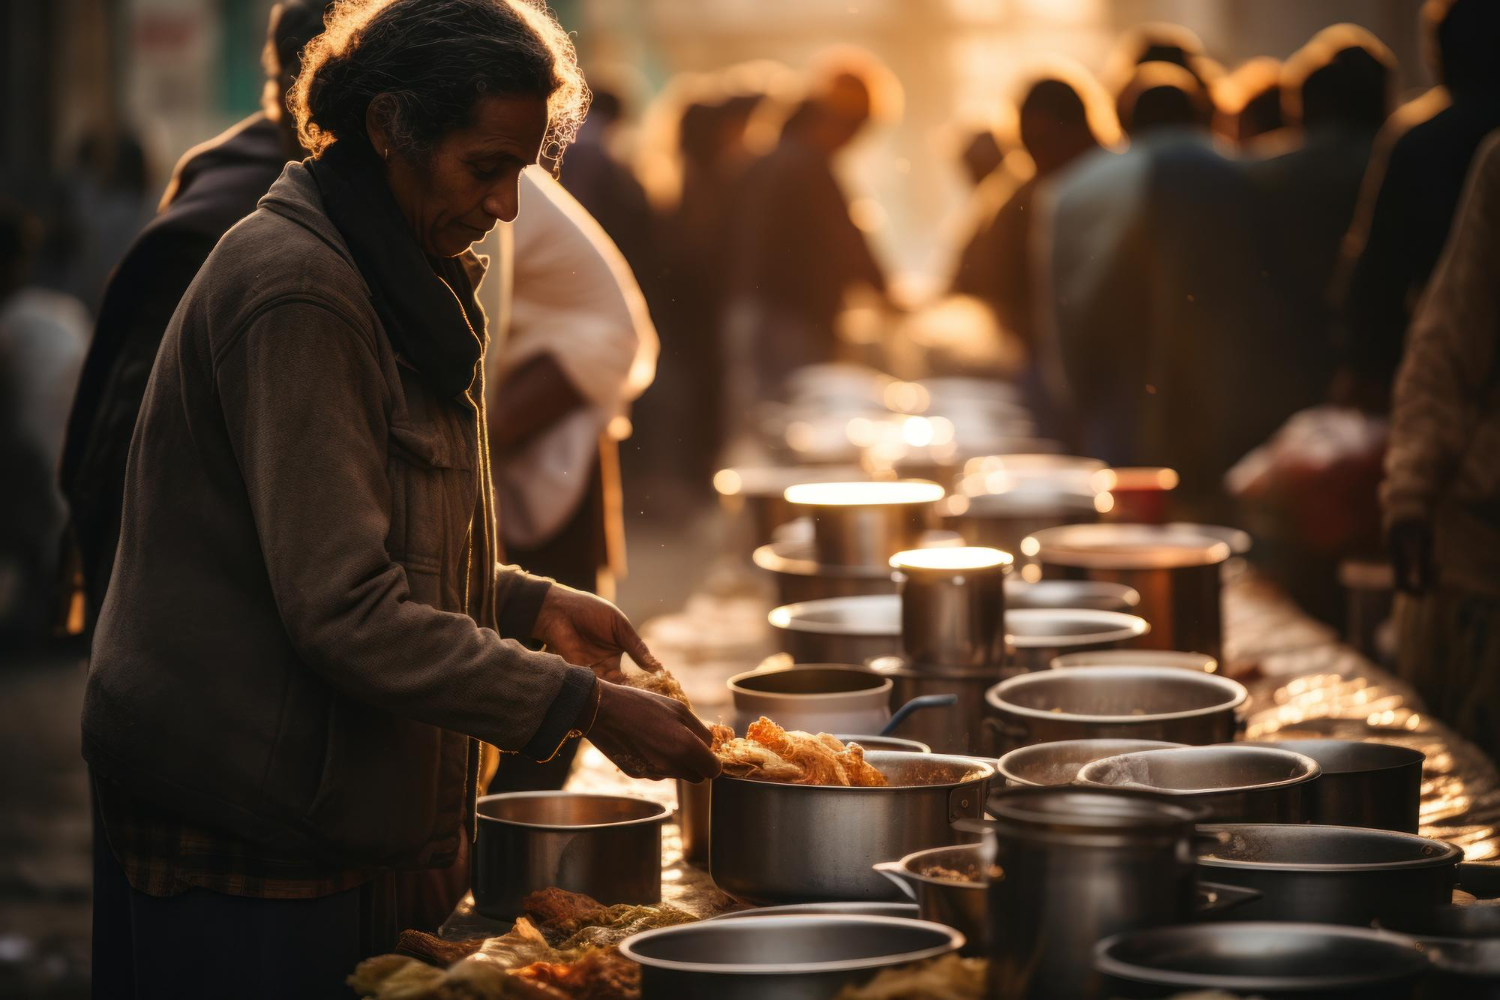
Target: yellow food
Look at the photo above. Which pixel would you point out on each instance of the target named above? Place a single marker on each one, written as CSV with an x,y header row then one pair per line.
x,y
769,753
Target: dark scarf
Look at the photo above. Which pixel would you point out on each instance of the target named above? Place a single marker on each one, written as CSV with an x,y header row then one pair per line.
x,y
426,304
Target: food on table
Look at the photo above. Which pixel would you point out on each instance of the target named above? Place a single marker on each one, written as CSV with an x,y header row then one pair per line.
x,y
769,753
946,978
563,949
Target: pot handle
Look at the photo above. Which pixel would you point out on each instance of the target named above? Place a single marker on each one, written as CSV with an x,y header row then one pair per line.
x,y
924,701
897,874
1482,878
1226,897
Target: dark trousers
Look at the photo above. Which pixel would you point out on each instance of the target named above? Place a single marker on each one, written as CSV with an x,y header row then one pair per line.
x,y
207,944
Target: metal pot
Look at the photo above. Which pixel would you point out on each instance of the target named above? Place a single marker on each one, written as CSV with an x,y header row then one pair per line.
x,y
1079,865
759,492
1043,764
608,846
1308,961
1147,703
804,957
1004,519
1232,783
800,577
1460,968
959,729
884,743
1175,569
959,903
852,908
1330,874
864,524
821,698
1479,919
776,843
1037,637
839,629
693,799
1377,785
953,605
1138,494
1138,658
1097,595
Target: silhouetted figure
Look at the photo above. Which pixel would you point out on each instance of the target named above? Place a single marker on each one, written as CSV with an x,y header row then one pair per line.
x,y
981,155
43,336
1442,486
1248,101
608,189
1408,200
1143,291
214,186
1338,91
994,266
796,251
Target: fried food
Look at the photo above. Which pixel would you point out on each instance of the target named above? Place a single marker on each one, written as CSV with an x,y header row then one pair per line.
x,y
398,977
574,923
770,753
662,682
598,975
946,978
434,950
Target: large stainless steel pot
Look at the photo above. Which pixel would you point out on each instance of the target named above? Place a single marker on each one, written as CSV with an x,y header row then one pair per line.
x,y
1036,637
1043,764
1146,703
1139,658
958,729
1330,874
953,605
958,902
1308,961
1376,785
1096,595
1004,519
839,629
608,846
777,843
864,524
801,577
1232,784
804,957
821,698
1079,865
1175,569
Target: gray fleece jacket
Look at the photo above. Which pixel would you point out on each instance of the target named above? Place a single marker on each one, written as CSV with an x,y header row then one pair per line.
x,y
306,628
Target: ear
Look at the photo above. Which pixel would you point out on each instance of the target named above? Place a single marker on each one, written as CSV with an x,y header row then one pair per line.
x,y
377,120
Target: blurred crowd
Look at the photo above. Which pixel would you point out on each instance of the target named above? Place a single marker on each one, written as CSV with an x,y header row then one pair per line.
x,y
1182,264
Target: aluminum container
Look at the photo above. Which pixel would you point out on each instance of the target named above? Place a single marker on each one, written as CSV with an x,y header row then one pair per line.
x,y
1145,703
692,819
851,908
958,902
1139,658
864,524
775,843
1231,783
1307,961
819,698
839,629
607,846
1037,637
1096,595
758,492
953,605
1045,764
957,729
1376,785
1330,874
802,957
800,577
1002,520
1175,568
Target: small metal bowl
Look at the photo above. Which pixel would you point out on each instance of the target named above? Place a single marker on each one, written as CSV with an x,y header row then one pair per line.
x,y
1059,762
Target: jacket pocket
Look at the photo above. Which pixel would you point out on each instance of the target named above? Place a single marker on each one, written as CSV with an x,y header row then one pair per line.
x,y
433,494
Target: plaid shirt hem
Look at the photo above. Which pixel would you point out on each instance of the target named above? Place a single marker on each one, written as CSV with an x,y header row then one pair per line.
x,y
163,855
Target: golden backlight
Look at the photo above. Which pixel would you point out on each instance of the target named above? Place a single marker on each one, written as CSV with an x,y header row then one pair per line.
x,y
958,559
902,491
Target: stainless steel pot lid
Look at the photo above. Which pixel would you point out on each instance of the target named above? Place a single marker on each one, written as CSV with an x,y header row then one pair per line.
x,y
1087,694
1312,848
1043,628
549,810
791,945
1210,770
1252,957
886,493
1127,546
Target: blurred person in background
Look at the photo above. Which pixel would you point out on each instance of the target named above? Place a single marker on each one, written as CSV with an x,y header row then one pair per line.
x,y
1410,194
607,188
994,266
214,186
796,252
1247,102
1442,488
104,205
981,155
43,337
1147,293
306,580
1338,90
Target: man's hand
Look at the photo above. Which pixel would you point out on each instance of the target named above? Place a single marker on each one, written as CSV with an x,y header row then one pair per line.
x,y
650,736
1411,555
589,631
